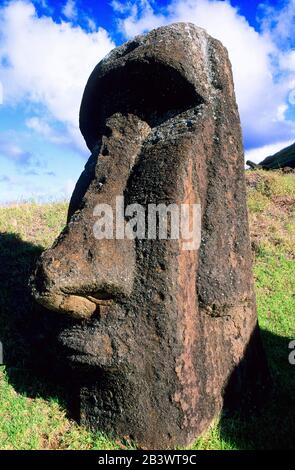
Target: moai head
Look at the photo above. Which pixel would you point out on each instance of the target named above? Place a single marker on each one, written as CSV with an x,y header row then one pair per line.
x,y
157,326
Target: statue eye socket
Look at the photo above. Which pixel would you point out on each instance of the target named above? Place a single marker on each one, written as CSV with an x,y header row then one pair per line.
x,y
149,89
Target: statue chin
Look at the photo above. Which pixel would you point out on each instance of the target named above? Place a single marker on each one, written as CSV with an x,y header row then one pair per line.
x,y
99,342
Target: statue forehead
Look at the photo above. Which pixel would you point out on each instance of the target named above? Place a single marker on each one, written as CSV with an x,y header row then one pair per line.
x,y
152,74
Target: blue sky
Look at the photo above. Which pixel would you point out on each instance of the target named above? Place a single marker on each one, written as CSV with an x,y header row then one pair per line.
x,y
48,49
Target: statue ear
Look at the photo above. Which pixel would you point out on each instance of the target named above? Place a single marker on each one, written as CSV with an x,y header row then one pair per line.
x,y
225,277
222,90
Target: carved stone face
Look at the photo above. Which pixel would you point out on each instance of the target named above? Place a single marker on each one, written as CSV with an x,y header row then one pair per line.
x,y
147,317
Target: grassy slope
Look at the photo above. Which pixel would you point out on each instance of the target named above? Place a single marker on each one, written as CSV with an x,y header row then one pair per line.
x,y
32,414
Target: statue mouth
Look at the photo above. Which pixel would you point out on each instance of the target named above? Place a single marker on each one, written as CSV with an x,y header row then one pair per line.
x,y
103,302
77,306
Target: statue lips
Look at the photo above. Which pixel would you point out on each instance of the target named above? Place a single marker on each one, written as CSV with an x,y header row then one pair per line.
x,y
76,306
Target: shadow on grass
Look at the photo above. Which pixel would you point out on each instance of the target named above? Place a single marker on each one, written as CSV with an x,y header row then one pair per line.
x,y
272,424
28,336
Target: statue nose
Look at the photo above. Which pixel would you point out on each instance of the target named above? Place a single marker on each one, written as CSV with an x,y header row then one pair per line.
x,y
78,278
81,272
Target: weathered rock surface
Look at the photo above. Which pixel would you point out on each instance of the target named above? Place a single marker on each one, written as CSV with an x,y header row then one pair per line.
x,y
159,336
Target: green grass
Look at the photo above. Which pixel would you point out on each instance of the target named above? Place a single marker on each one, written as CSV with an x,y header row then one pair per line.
x,y
33,411
37,423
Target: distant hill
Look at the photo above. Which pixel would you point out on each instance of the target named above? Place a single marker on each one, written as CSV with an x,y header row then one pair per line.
x,y
282,159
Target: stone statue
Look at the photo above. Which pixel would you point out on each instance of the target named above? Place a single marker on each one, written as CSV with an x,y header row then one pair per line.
x,y
158,333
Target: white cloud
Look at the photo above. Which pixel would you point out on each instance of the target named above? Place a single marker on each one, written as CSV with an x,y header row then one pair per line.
x,y
5,179
279,22
261,91
41,126
282,109
121,7
91,24
13,152
287,61
48,62
68,188
140,17
69,10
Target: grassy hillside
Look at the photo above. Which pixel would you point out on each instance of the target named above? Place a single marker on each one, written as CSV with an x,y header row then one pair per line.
x,y
32,412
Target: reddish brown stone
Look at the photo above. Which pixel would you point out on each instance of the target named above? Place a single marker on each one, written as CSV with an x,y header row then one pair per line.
x,y
157,333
